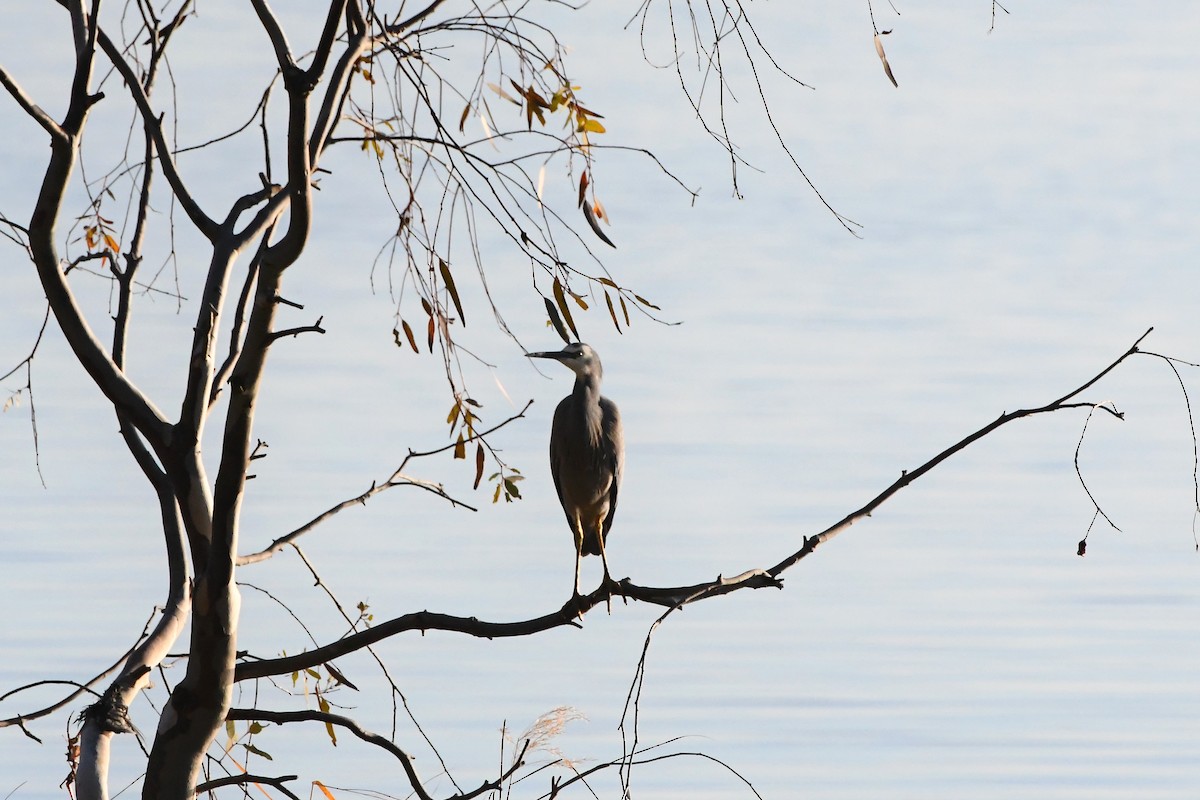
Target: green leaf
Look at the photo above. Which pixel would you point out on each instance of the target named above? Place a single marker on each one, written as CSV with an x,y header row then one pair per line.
x,y
252,749
450,287
555,320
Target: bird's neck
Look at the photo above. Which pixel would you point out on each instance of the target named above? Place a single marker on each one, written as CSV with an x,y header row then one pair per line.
x,y
587,398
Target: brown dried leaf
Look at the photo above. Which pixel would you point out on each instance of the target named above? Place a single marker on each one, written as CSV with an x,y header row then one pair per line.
x,y
408,333
882,57
595,224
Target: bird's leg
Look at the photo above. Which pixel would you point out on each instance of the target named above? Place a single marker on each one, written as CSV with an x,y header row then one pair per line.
x,y
608,581
576,598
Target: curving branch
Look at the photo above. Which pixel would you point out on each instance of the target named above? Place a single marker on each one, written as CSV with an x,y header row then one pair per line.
x,y
674,598
327,718
246,778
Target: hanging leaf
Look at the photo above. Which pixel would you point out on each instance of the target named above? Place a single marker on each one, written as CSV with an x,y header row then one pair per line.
x,y
328,794
882,57
429,334
560,298
612,312
462,121
452,417
452,289
624,310
479,457
595,224
408,333
460,447
552,312
583,184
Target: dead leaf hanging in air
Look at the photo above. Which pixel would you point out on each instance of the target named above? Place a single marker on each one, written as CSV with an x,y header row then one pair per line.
x,y
883,57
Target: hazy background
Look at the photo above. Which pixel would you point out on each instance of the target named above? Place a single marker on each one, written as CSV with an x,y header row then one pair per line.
x,y
1028,209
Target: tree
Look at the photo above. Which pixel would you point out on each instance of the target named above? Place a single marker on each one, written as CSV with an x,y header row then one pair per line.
x,y
373,83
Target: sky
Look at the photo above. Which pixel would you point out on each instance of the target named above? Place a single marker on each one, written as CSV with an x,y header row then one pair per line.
x,y
1027,212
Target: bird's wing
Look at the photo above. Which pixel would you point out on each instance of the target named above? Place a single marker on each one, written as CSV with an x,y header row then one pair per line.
x,y
556,455
614,441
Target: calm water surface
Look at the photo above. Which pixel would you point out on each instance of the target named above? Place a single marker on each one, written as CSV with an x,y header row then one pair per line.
x,y
1030,210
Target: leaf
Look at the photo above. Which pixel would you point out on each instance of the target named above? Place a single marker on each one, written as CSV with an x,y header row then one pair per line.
x,y
255,727
624,310
444,268
324,791
496,496
882,57
500,91
230,729
429,334
595,225
460,447
612,312
462,121
646,302
583,184
479,458
580,301
112,243
452,417
510,488
425,305
560,298
555,320
252,749
408,332
589,125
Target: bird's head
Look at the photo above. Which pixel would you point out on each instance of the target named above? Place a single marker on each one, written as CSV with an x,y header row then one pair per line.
x,y
579,357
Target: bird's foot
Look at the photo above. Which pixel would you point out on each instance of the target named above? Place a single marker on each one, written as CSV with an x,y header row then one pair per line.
x,y
575,606
613,586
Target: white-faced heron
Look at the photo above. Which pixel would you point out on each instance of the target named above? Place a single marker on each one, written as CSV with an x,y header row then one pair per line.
x,y
587,454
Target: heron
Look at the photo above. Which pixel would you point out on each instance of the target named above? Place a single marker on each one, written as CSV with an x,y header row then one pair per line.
x,y
587,454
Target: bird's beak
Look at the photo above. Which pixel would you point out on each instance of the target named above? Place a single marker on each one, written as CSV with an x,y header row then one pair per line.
x,y
557,355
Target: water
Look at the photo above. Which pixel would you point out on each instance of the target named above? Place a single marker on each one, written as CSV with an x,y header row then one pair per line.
x,y
1029,213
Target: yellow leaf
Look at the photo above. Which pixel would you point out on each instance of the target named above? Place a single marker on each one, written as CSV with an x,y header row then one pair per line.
x,y
612,312
561,299
589,125
460,447
324,791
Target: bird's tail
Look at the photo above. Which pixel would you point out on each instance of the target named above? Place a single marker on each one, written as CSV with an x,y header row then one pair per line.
x,y
592,542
